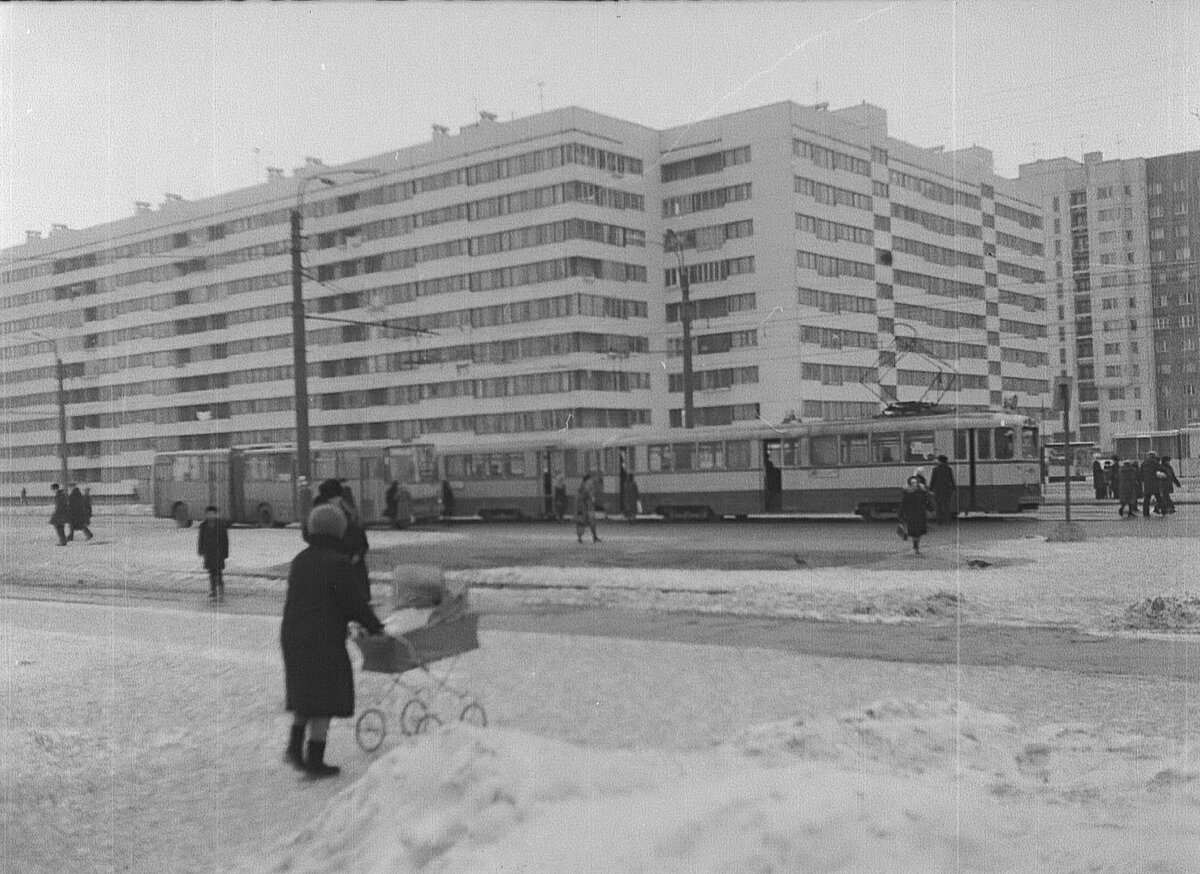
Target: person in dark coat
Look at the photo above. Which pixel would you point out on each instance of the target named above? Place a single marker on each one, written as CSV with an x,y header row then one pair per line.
x,y
1148,474
78,516
1113,476
391,503
447,498
585,510
213,545
323,596
915,503
61,513
1167,483
1127,478
1099,484
354,544
942,485
560,497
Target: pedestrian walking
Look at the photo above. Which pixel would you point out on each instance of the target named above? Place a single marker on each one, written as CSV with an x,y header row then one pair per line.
x,y
78,514
1099,483
632,500
391,502
447,499
1167,483
1127,479
943,487
353,544
24,496
61,513
585,510
560,497
1148,474
323,597
915,504
213,546
1112,476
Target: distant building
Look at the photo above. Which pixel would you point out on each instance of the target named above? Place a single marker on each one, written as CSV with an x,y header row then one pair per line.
x,y
1124,312
521,271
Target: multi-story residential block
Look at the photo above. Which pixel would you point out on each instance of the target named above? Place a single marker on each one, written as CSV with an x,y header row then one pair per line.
x,y
1121,235
1173,192
514,277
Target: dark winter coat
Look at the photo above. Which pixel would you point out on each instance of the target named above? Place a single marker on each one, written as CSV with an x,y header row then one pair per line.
x,y
353,545
77,513
1168,482
1098,476
942,479
322,597
914,506
1148,473
62,512
213,544
1127,480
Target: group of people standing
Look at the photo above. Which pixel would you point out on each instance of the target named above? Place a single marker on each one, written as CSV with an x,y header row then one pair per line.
x,y
72,512
1150,483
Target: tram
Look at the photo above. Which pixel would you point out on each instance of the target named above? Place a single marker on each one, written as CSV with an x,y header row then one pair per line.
x,y
820,468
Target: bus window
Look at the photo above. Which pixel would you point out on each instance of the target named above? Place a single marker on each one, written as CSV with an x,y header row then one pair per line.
x,y
516,464
737,454
658,458
854,449
885,448
824,451
495,465
918,446
711,456
1004,443
983,443
961,449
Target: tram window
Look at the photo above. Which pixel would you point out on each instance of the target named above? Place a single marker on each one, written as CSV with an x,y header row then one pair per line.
x,y
983,444
854,449
1185,445
591,461
1004,443
737,454
960,445
516,464
456,467
918,446
711,456
886,448
824,451
681,454
1029,442
791,453
658,458
570,463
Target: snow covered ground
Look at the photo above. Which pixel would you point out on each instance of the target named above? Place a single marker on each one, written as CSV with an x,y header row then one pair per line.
x,y
148,740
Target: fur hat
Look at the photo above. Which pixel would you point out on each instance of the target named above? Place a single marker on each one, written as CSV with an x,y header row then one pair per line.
x,y
326,520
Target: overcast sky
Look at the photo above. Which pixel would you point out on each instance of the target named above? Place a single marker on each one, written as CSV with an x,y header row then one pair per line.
x,y
106,104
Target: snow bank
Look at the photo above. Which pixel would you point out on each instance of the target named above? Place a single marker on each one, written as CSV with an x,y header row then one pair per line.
x,y
901,786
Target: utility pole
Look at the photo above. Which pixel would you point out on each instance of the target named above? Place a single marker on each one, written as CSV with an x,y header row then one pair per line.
x,y
1065,388
300,370
685,318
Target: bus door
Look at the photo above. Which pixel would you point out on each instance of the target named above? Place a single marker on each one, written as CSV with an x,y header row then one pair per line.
x,y
772,476
546,473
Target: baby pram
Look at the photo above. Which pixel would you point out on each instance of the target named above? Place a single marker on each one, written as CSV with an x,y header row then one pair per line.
x,y
450,630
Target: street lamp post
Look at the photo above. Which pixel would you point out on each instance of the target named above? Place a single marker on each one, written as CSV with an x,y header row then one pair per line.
x,y
675,241
299,349
61,397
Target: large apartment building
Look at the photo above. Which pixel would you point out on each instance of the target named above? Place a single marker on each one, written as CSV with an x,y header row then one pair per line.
x,y
1123,323
512,278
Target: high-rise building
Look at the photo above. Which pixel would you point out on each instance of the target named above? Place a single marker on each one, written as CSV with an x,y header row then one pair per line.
x,y
1124,310
518,277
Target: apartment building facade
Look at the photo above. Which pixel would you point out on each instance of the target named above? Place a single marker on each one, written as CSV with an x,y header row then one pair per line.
x,y
512,278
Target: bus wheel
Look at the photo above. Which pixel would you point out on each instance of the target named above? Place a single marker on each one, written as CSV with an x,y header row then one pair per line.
x,y
183,516
266,516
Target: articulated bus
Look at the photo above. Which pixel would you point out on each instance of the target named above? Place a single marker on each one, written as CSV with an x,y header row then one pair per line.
x,y
849,467
257,485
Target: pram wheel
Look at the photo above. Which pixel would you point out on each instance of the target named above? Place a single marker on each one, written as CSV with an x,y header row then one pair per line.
x,y
473,714
410,717
429,723
370,730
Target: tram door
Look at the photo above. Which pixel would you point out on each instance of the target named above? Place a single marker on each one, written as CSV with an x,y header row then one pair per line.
x,y
964,450
772,476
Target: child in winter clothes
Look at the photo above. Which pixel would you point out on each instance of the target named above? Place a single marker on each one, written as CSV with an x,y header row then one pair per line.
x,y
213,544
